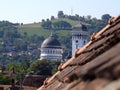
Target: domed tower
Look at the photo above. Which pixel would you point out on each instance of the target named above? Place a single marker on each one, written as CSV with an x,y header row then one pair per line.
x,y
51,49
79,37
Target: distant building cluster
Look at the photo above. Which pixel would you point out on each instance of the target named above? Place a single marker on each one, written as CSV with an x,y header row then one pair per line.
x,y
51,48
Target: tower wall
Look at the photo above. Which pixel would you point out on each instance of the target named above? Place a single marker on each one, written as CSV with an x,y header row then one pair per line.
x,y
79,39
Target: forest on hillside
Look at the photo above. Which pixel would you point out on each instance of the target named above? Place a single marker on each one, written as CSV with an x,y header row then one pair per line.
x,y
93,24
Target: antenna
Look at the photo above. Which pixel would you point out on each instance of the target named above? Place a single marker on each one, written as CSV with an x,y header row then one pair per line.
x,y
71,11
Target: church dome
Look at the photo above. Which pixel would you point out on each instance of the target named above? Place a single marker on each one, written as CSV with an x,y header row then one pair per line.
x,y
51,42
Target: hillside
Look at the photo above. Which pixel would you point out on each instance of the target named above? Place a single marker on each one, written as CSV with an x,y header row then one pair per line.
x,y
92,24
35,28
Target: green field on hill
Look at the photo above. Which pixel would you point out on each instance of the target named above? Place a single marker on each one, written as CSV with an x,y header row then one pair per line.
x,y
35,28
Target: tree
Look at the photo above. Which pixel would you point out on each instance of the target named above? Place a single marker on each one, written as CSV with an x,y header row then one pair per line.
x,y
62,25
25,34
77,16
1,34
88,17
41,67
43,20
60,14
4,79
52,17
47,24
106,17
18,68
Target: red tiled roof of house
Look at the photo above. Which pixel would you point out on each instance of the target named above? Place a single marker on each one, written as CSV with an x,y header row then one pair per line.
x,y
7,87
96,66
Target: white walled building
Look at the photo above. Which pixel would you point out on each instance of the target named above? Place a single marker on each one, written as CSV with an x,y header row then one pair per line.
x,y
79,37
51,49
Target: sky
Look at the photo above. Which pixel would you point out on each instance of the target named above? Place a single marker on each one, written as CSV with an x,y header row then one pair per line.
x,y
29,11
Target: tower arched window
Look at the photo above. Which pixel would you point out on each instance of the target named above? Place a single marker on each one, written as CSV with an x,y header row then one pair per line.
x,y
48,51
76,41
84,42
53,51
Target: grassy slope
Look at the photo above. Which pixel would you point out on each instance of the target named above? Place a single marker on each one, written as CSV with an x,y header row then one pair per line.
x,y
35,28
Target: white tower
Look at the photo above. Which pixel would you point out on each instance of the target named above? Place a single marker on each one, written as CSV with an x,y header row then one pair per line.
x,y
79,37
